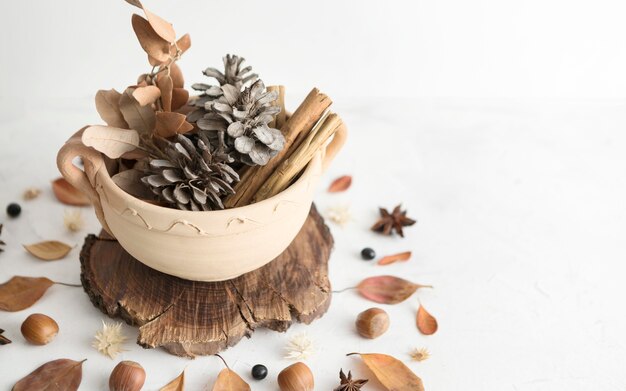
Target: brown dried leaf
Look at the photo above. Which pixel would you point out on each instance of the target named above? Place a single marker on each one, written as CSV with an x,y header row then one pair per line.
x,y
178,384
68,194
113,142
178,81
22,292
163,28
426,323
63,374
49,250
391,372
340,184
169,124
4,340
228,380
136,3
166,85
140,118
405,256
130,182
183,43
108,106
387,289
155,46
180,97
146,95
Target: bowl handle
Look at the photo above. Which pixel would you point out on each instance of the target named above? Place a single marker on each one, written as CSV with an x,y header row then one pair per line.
x,y
335,145
82,180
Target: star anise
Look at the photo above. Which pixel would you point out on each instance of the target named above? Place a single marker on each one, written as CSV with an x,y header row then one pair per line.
x,y
347,384
395,220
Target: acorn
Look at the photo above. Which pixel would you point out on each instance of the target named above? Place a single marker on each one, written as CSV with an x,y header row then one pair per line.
x,y
372,323
127,376
39,329
296,377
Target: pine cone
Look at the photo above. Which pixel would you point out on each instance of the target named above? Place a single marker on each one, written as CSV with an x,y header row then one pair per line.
x,y
190,174
240,121
233,75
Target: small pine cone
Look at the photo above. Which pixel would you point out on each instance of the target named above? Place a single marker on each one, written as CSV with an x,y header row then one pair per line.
x,y
190,174
242,118
233,75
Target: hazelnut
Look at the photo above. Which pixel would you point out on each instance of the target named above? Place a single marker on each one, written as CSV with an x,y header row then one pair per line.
x,y
372,323
296,377
127,376
39,329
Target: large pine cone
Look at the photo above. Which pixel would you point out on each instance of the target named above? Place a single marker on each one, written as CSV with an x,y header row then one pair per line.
x,y
190,175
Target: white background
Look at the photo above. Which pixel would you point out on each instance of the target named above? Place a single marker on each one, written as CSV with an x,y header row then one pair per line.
x,y
449,48
498,124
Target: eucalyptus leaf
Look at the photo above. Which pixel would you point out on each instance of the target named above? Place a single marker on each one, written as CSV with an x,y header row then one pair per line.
x,y
108,106
130,182
139,118
113,142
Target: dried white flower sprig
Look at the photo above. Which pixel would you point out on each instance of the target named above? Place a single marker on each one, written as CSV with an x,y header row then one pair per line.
x,y
339,215
110,340
300,347
420,354
31,193
73,220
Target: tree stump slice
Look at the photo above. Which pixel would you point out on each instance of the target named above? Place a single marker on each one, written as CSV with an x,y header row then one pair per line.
x,y
190,318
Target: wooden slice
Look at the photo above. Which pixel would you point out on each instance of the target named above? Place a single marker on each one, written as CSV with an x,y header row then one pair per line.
x,y
190,318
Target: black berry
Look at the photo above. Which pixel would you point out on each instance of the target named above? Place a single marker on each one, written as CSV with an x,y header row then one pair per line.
x,y
259,372
14,209
368,254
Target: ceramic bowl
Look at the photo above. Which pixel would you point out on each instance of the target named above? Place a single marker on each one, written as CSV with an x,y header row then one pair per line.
x,y
203,246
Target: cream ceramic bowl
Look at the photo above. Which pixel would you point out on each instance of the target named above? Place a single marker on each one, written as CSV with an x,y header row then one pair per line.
x,y
202,246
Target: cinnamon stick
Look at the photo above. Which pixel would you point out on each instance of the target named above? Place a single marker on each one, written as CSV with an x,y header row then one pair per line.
x,y
301,122
290,167
279,121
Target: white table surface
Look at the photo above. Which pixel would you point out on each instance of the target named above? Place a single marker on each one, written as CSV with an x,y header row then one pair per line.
x,y
522,214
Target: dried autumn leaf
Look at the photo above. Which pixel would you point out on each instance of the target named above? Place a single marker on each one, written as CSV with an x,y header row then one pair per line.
x,y
387,289
180,97
391,372
183,43
113,142
426,323
178,81
405,256
228,380
155,46
108,106
22,292
4,340
68,194
340,184
63,374
130,182
169,124
48,250
160,26
166,85
146,95
140,118
178,384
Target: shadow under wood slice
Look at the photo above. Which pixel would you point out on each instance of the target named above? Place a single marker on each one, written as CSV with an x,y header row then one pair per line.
x,y
190,318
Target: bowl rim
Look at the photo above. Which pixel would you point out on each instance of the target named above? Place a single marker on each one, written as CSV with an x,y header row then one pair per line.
x,y
119,193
